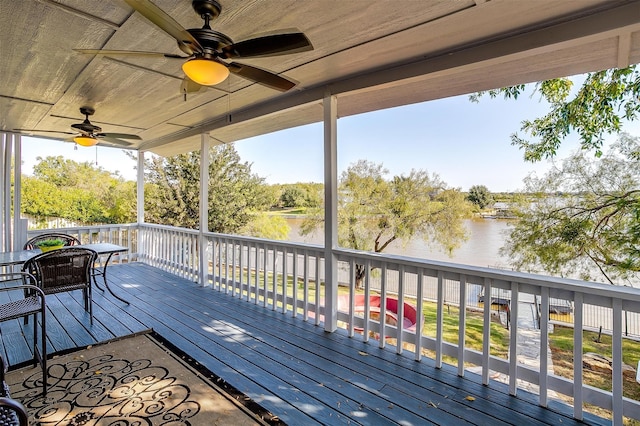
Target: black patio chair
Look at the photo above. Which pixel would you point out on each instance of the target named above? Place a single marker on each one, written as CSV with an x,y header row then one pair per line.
x,y
65,269
20,297
68,240
12,413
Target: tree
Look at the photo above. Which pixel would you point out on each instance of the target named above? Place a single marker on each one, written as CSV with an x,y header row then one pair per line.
x,y
172,192
77,191
373,211
301,195
268,226
591,227
595,110
480,196
292,196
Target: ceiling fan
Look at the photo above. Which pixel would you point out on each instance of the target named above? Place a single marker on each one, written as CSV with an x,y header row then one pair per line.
x,y
208,50
88,134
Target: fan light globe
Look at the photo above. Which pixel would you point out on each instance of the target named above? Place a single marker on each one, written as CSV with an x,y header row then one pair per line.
x,y
85,140
205,71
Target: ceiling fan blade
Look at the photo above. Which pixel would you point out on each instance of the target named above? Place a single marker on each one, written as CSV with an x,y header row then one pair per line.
x,y
272,45
42,131
114,141
166,23
119,136
130,52
261,76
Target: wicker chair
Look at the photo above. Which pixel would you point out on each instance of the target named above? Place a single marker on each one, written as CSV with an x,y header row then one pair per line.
x,y
21,298
69,240
65,269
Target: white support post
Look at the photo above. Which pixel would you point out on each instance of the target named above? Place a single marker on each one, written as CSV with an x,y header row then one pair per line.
x,y
4,140
142,249
140,187
204,209
6,191
18,238
330,212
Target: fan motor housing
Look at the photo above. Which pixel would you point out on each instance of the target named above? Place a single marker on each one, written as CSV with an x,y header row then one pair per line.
x,y
210,39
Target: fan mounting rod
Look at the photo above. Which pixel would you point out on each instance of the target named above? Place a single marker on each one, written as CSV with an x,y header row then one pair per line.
x,y
206,8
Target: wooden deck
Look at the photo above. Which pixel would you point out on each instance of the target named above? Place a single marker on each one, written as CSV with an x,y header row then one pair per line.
x,y
290,367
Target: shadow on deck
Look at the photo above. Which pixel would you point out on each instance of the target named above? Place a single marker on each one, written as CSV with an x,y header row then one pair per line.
x,y
290,367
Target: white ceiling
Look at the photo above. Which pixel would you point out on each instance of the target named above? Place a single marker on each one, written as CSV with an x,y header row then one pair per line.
x,y
371,54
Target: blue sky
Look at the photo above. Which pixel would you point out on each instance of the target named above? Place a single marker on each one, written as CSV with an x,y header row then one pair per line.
x,y
464,143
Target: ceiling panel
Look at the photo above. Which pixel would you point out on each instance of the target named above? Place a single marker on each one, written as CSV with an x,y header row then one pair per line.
x,y
370,54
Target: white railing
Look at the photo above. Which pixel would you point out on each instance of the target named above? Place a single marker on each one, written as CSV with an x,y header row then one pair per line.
x,y
289,277
123,235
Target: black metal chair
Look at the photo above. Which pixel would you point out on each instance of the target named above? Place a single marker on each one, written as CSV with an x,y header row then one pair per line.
x,y
20,297
12,413
68,240
65,269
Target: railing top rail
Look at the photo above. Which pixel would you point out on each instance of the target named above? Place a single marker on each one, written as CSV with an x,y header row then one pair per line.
x,y
170,228
241,238
557,283
265,242
71,229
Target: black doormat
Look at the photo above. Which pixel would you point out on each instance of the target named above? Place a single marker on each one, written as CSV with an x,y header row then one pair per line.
x,y
138,380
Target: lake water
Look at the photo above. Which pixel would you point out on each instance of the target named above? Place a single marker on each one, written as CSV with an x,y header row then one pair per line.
x,y
486,236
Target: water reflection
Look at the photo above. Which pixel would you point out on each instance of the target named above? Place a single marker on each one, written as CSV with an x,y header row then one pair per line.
x,y
486,236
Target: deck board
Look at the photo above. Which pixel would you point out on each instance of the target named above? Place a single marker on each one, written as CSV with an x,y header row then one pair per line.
x,y
289,366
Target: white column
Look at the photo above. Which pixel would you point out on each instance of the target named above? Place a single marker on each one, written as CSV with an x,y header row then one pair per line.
x,y
143,245
330,212
140,187
6,191
204,208
4,141
18,238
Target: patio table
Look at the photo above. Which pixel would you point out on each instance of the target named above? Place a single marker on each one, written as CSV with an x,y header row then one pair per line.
x,y
12,258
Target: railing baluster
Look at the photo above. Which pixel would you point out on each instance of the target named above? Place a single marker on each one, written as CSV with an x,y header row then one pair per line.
x,y
274,280
616,355
486,332
382,320
305,300
294,300
265,277
256,274
544,345
513,339
400,311
577,356
462,324
240,249
285,280
439,319
317,292
352,294
367,300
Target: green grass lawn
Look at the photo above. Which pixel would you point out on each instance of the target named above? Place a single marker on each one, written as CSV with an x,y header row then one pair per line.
x,y
561,343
